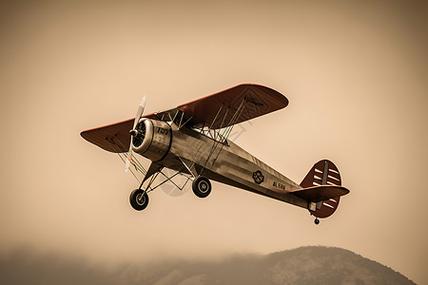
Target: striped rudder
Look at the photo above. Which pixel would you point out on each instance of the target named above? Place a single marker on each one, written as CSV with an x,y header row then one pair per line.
x,y
324,172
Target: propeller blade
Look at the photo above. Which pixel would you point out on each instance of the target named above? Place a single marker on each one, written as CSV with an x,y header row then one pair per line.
x,y
128,162
140,111
138,116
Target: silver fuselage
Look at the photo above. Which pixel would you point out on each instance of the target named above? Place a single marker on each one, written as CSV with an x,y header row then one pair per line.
x,y
230,164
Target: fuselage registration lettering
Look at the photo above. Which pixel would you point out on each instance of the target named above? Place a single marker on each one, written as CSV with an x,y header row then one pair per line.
x,y
279,185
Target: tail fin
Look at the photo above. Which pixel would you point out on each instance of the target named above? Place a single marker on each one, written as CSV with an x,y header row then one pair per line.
x,y
324,172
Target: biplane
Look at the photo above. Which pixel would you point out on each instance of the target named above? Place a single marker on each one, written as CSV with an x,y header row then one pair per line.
x,y
193,140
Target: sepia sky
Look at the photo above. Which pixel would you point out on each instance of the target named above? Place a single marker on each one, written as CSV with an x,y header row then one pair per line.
x,y
356,78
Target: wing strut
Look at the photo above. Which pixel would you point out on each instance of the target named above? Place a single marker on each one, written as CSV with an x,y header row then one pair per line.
x,y
220,136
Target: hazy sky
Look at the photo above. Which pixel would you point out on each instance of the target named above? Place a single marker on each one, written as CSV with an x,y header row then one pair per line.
x,y
356,78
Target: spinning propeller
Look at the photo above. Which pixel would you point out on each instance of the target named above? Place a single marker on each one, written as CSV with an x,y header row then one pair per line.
x,y
134,132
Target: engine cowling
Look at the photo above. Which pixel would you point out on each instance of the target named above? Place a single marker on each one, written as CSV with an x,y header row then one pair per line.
x,y
152,139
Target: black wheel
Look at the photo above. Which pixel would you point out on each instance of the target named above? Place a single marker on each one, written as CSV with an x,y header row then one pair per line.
x,y
201,186
139,199
317,221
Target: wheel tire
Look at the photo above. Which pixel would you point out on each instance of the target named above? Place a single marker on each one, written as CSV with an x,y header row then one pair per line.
x,y
317,221
139,199
201,186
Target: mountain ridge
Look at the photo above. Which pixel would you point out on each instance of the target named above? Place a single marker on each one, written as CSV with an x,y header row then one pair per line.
x,y
299,266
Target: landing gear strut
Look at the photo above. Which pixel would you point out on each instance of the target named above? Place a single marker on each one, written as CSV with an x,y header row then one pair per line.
x,y
201,186
139,199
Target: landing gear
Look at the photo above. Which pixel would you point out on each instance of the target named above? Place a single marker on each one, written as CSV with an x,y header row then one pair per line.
x,y
201,186
139,199
317,221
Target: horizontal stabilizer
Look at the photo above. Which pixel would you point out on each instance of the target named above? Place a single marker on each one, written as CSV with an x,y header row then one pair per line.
x,y
321,193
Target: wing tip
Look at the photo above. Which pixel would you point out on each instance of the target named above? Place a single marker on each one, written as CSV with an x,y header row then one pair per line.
x,y
85,135
100,136
282,99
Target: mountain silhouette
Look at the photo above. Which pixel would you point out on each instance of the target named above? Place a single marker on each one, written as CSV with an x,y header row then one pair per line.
x,y
301,266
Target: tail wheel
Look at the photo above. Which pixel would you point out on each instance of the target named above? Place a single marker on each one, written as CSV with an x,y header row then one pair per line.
x,y
139,199
201,186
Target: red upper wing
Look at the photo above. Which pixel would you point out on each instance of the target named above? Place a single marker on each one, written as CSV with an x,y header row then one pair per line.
x,y
215,111
258,100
